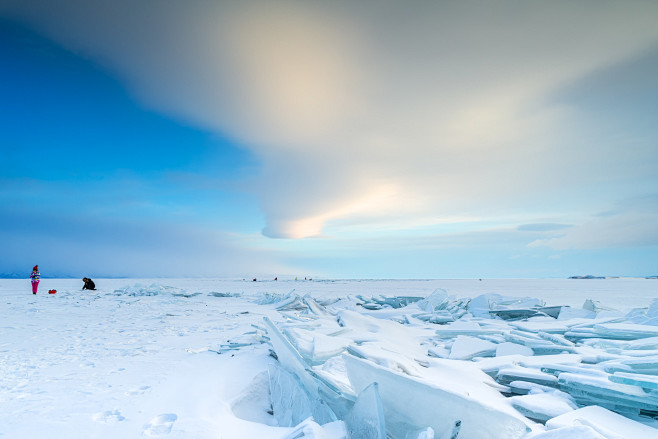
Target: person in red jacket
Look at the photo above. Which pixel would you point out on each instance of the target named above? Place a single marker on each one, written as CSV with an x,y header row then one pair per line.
x,y
34,277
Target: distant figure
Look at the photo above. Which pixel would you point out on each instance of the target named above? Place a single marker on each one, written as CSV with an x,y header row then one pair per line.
x,y
254,280
34,277
89,284
276,278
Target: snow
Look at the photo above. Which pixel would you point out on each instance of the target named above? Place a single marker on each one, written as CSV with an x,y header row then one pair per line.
x,y
190,358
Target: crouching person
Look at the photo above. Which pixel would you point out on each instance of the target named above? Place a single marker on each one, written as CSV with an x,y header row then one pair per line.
x,y
89,284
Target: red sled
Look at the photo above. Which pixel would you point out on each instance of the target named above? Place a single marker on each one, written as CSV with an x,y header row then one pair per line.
x,y
52,291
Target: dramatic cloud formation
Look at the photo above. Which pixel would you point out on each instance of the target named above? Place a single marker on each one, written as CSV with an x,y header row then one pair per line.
x,y
394,111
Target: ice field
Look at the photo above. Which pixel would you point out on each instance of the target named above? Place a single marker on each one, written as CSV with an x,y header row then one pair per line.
x,y
405,359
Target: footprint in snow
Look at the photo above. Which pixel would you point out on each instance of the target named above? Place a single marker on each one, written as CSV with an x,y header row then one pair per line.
x,y
137,391
160,425
108,417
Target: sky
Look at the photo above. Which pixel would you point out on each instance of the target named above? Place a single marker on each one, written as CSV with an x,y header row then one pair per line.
x,y
329,139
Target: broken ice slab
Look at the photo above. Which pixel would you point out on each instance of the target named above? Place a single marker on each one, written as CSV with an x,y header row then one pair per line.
x,y
645,365
491,366
579,334
279,299
466,328
413,402
587,369
569,313
548,325
291,303
366,418
634,352
401,301
622,398
375,303
648,382
247,339
595,306
481,306
316,347
518,373
571,432
314,307
291,403
384,354
320,391
645,316
509,348
309,429
438,317
540,346
525,313
466,347
436,301
555,338
428,433
551,311
371,306
217,294
541,407
438,351
606,423
525,387
625,331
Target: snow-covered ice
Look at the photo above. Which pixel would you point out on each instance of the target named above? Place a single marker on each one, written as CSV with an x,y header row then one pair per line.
x,y
212,358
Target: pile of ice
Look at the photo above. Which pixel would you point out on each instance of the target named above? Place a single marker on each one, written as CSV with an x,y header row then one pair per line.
x,y
492,367
141,290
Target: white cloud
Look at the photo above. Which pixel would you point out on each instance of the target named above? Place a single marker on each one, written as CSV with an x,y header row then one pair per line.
x,y
364,108
632,229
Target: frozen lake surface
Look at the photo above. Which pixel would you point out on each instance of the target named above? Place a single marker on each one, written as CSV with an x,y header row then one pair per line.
x,y
190,358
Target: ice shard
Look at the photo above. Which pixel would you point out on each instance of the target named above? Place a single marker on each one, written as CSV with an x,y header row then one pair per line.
x,y
621,398
410,402
466,347
489,305
467,328
291,403
645,365
625,331
647,382
309,429
314,307
518,373
366,419
320,391
438,300
574,432
541,407
604,422
509,348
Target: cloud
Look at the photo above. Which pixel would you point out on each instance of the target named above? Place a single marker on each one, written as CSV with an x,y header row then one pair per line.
x,y
541,227
626,229
89,245
370,109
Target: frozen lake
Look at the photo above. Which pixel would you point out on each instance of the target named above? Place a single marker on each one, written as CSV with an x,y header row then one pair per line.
x,y
621,293
124,362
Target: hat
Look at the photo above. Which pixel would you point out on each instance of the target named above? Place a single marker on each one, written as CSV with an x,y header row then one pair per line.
x,y
36,267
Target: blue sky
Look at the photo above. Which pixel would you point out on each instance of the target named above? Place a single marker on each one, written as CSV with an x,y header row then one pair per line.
x,y
328,139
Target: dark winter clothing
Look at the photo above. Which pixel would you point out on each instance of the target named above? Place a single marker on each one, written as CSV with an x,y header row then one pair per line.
x,y
89,284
